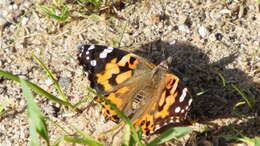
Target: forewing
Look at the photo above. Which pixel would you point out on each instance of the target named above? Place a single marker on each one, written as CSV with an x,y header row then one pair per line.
x,y
115,73
109,67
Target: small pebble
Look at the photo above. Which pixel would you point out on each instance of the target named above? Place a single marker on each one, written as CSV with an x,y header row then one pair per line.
x,y
65,81
4,13
183,28
203,31
2,21
218,36
225,11
48,82
24,20
3,2
27,4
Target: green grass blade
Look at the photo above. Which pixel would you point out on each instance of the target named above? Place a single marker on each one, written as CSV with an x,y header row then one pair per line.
x,y
122,117
126,137
52,77
57,141
201,92
64,13
257,141
247,99
83,100
239,103
87,138
95,3
35,117
132,141
222,78
57,125
122,35
80,141
173,133
245,139
74,140
36,89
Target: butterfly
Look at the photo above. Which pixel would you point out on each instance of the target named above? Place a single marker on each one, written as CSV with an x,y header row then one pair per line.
x,y
149,95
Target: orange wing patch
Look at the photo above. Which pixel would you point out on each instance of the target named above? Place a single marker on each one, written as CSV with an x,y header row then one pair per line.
x,y
110,69
167,100
116,99
113,68
146,123
165,111
132,61
120,78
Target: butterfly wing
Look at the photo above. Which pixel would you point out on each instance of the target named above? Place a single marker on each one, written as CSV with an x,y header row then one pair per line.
x,y
109,67
121,76
169,103
115,73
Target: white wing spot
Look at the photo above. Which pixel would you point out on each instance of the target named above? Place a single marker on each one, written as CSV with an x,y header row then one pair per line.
x,y
103,54
87,58
187,107
82,49
182,111
190,101
183,95
91,47
80,54
108,50
157,127
87,52
93,62
177,109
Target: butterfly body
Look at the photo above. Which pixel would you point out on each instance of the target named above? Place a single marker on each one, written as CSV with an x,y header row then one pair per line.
x,y
148,94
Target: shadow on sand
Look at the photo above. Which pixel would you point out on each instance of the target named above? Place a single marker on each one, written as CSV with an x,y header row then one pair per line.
x,y
218,102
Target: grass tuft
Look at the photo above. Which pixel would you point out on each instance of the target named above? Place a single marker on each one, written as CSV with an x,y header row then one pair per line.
x,y
60,14
250,101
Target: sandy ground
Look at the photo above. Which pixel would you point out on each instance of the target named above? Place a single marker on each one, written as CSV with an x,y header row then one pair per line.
x,y
203,37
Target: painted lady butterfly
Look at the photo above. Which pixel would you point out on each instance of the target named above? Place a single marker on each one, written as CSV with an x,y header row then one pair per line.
x,y
148,94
